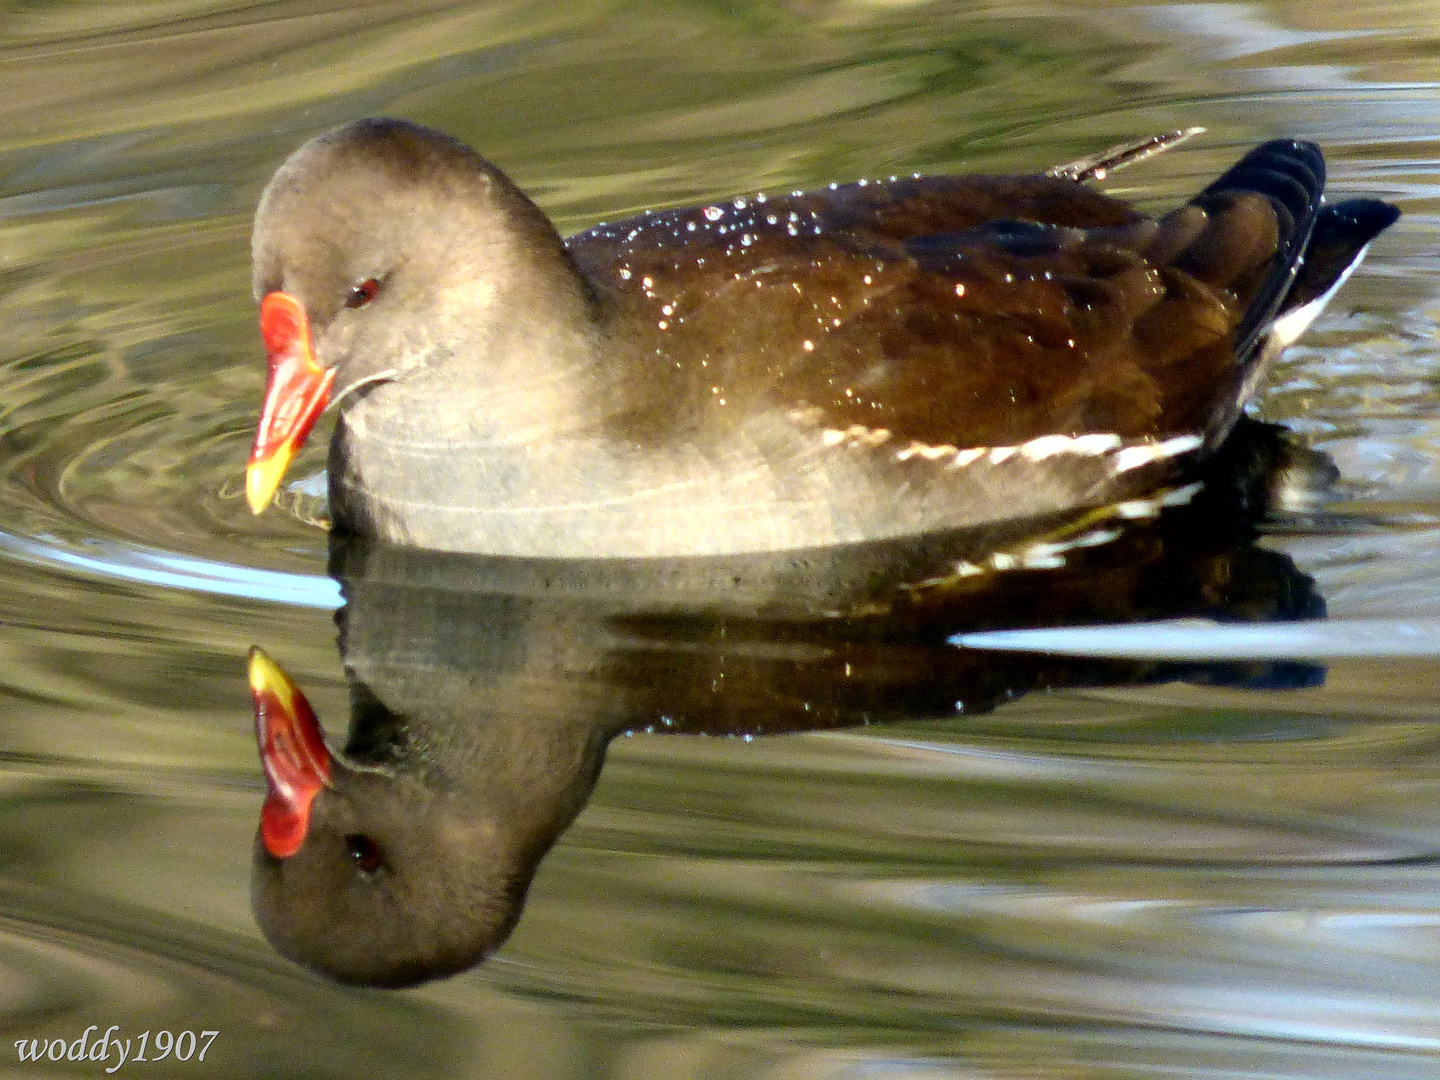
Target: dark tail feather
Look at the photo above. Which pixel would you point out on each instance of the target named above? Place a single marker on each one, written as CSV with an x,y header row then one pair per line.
x,y
1319,246
1341,233
1292,174
1288,170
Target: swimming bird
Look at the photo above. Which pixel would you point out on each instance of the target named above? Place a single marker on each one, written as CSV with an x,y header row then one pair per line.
x,y
773,372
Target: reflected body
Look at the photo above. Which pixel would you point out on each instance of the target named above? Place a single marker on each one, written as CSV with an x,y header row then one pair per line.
x,y
782,373
484,691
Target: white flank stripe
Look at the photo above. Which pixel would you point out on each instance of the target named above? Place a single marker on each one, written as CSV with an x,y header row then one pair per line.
x,y
1133,457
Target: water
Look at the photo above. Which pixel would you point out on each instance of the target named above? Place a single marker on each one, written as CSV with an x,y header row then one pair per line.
x,y
1126,881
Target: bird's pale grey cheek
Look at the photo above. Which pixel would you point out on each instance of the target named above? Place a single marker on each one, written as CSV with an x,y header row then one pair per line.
x,y
336,343
474,295
465,316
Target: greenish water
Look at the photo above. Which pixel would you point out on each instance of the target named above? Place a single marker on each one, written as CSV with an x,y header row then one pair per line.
x,y
1169,880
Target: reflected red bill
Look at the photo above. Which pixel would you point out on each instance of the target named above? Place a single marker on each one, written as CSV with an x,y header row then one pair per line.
x,y
293,753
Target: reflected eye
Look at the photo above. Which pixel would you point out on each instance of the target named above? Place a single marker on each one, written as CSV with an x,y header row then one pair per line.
x,y
364,853
363,293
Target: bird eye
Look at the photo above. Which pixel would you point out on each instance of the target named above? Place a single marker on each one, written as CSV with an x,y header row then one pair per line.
x,y
363,293
364,853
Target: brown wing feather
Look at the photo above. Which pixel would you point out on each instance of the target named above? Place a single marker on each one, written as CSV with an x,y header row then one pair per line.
x,y
973,311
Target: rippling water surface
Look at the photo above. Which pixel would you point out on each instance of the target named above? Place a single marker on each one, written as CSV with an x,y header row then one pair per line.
x,y
1169,880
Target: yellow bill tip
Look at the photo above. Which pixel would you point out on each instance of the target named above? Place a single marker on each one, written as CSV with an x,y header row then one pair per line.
x,y
263,477
266,676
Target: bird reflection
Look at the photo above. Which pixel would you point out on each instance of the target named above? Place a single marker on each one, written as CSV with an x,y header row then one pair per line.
x,y
483,692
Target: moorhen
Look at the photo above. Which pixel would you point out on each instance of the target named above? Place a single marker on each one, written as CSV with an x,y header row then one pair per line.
x,y
767,373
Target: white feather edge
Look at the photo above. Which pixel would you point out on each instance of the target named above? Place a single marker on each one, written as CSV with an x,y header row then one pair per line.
x,y
1286,330
1123,456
